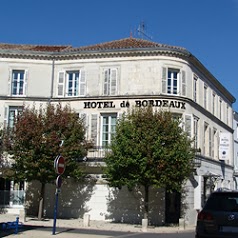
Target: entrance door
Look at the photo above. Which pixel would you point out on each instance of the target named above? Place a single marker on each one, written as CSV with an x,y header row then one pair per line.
x,y
172,207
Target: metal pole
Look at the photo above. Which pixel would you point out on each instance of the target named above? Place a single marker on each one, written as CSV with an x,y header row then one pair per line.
x,y
55,211
17,223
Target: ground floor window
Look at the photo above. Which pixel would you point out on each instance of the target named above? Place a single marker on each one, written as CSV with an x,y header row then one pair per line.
x,y
11,193
108,128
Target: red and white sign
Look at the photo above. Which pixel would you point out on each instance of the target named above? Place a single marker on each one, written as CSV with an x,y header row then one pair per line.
x,y
59,164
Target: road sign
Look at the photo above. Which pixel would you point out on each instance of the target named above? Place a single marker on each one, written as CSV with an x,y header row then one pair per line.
x,y
58,181
59,164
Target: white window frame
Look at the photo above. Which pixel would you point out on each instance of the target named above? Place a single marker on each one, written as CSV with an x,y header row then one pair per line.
x,y
195,131
169,86
205,138
214,103
195,88
220,109
205,88
173,88
108,128
13,112
73,90
20,90
78,86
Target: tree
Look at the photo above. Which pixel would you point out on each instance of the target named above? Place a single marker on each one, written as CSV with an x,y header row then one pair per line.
x,y
149,148
35,141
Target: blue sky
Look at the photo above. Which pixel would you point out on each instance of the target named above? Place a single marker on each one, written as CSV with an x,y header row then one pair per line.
x,y
206,28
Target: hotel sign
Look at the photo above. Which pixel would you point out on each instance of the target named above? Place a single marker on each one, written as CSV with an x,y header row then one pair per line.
x,y
137,103
224,146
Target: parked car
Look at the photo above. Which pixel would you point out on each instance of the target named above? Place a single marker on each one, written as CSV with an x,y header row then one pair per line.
x,y
219,216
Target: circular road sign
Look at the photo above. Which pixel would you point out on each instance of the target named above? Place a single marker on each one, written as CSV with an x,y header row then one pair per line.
x,y
59,164
58,181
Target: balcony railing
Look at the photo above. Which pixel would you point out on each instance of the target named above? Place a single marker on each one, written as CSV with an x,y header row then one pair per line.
x,y
96,153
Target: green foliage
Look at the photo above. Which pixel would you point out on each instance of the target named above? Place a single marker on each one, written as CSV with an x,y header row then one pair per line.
x,y
35,142
149,149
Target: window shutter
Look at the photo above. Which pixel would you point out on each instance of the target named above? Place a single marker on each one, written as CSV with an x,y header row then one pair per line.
x,y
119,116
61,77
113,81
25,82
94,118
83,117
9,82
210,141
5,117
164,80
106,81
188,125
183,74
82,83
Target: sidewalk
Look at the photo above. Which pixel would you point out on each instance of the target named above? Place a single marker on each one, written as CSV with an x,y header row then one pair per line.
x,y
33,228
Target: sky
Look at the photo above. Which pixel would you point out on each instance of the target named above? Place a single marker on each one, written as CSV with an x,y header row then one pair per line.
x,y
206,28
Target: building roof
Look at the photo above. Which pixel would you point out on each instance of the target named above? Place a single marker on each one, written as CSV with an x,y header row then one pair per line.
x,y
43,48
126,43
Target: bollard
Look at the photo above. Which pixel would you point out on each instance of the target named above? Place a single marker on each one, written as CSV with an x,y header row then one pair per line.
x,y
17,223
22,215
181,223
144,225
86,220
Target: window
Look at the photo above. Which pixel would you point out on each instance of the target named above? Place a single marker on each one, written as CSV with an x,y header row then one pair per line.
x,y
227,114
214,143
213,103
205,96
188,125
195,79
18,82
195,132
173,81
210,138
108,128
110,77
220,109
205,139
12,115
72,83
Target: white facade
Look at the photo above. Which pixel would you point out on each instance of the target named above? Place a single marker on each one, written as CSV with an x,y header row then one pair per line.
x,y
235,127
101,82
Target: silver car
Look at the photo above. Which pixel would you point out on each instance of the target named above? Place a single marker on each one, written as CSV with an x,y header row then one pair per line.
x,y
219,217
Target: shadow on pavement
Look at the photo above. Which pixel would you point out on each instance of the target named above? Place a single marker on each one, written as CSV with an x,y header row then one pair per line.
x,y
7,232
62,230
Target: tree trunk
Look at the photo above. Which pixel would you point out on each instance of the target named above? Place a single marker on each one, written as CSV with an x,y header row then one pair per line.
x,y
146,202
41,202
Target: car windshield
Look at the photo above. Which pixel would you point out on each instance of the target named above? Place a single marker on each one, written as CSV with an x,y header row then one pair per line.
x,y
222,202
